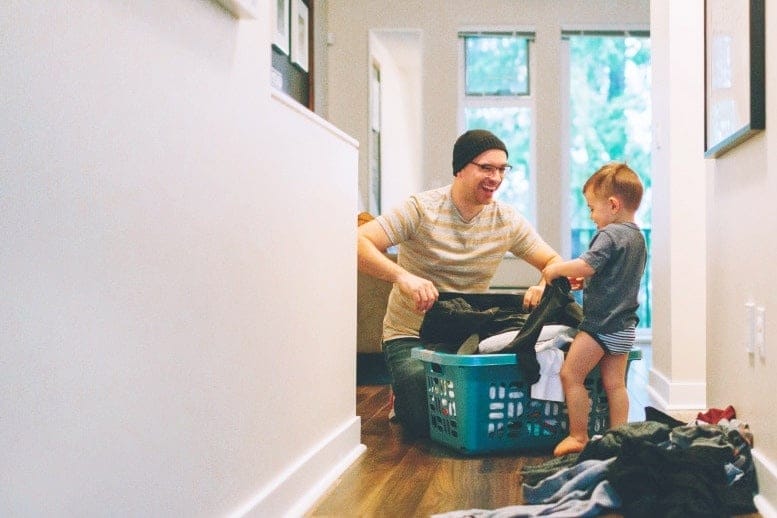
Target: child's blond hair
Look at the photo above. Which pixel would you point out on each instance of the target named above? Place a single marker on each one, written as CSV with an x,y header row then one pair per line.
x,y
617,179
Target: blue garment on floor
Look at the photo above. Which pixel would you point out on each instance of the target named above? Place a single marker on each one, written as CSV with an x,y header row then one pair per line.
x,y
573,480
577,491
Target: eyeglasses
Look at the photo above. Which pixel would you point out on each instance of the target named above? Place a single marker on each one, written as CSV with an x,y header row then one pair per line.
x,y
489,169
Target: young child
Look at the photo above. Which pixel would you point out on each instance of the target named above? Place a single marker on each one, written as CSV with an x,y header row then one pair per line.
x,y
612,267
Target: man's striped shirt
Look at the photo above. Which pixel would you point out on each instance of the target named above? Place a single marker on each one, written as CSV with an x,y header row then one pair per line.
x,y
436,243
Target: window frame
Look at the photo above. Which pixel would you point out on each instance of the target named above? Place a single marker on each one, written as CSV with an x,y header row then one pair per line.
x,y
527,100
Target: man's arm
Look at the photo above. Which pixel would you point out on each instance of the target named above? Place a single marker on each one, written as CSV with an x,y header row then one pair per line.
x,y
372,244
540,257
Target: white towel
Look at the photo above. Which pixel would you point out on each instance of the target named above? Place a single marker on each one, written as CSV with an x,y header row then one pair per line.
x,y
555,335
552,334
496,343
549,387
549,356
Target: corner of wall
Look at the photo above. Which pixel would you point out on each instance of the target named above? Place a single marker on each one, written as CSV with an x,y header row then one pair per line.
x,y
295,490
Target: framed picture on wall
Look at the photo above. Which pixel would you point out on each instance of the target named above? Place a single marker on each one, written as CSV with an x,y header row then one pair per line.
x,y
299,34
281,25
734,70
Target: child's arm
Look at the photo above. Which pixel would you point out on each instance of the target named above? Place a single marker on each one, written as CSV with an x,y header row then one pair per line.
x,y
573,268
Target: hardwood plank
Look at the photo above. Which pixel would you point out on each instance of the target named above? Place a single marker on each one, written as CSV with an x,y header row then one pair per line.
x,y
402,492
483,483
371,400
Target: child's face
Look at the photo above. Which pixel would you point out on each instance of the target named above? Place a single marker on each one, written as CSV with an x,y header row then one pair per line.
x,y
603,209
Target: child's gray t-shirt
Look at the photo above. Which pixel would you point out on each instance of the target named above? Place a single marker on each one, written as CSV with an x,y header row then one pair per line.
x,y
610,299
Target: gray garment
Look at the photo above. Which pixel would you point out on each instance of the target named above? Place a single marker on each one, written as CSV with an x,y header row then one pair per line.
x,y
610,300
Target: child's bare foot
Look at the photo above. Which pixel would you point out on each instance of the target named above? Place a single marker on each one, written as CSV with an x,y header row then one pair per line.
x,y
568,445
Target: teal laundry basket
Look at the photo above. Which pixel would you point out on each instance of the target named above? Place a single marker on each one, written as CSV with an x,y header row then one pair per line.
x,y
481,404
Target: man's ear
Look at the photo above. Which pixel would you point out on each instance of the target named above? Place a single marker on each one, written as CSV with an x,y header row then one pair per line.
x,y
615,204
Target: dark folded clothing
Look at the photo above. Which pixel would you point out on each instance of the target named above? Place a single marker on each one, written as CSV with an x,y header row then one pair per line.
x,y
557,306
654,414
451,322
455,318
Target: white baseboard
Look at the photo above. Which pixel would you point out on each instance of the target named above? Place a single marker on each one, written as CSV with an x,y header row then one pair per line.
x,y
672,395
766,472
297,489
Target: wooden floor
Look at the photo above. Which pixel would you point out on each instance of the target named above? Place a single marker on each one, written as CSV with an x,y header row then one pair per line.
x,y
395,478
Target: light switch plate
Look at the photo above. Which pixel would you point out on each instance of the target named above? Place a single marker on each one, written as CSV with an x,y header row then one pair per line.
x,y
749,330
760,330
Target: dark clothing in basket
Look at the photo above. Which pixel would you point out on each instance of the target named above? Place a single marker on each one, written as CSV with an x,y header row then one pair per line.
x,y
450,322
556,306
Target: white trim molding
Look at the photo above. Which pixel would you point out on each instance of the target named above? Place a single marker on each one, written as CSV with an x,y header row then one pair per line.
x,y
298,488
674,395
766,472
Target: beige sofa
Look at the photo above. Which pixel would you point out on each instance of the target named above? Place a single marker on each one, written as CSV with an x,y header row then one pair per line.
x,y
372,297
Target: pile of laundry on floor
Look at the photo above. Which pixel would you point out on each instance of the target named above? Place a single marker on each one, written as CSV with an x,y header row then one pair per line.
x,y
659,467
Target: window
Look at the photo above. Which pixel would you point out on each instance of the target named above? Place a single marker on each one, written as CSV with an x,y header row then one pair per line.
x,y
609,120
495,94
496,65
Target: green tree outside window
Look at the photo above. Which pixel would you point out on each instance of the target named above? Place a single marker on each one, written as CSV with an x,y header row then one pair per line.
x,y
610,120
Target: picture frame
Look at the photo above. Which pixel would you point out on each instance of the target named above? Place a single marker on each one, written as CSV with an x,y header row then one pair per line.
x,y
281,19
299,34
734,73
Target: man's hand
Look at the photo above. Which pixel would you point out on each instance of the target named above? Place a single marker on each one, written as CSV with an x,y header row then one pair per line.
x,y
421,291
532,297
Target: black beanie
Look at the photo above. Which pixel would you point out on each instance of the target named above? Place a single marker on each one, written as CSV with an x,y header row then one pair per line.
x,y
471,144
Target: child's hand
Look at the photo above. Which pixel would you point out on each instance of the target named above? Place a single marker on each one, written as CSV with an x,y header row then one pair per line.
x,y
577,283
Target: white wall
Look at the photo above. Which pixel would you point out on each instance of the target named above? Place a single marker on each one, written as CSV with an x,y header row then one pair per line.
x,y
178,313
677,377
741,250
714,245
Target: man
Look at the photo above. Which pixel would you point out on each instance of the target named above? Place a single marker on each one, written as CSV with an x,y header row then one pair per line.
x,y
450,239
